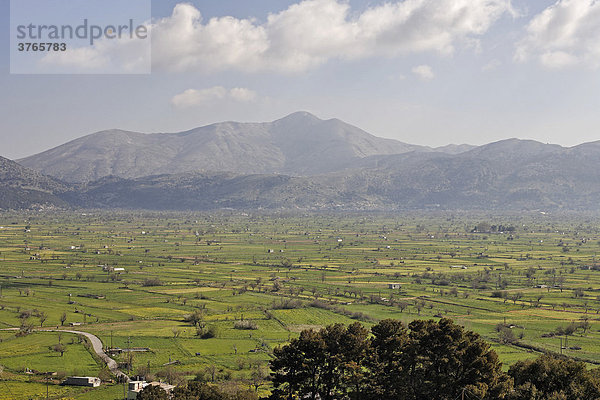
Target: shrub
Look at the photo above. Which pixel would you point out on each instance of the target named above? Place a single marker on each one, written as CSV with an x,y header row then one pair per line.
x,y
287,304
206,332
245,324
152,282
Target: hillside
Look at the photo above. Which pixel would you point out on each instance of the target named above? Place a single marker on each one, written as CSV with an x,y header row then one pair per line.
x,y
530,177
24,188
299,144
302,162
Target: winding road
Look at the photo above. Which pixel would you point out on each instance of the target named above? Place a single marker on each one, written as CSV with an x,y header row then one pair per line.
x,y
96,346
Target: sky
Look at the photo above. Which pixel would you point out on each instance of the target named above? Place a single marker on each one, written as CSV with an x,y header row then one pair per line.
x,y
428,72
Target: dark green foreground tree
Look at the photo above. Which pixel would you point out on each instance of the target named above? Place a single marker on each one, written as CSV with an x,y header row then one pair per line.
x,y
152,393
427,360
324,365
549,378
196,391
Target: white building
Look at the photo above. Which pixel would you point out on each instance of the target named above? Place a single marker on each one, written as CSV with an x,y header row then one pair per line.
x,y
135,387
89,381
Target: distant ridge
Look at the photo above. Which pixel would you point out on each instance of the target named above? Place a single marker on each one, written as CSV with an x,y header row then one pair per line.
x,y
301,162
298,144
21,188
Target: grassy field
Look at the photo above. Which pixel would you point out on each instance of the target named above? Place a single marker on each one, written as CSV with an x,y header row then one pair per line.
x,y
526,283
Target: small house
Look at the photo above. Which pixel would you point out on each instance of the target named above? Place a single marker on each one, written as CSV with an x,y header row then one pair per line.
x,y
135,387
88,381
393,286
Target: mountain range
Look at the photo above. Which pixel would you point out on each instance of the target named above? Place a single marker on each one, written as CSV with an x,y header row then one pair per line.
x,y
303,162
299,145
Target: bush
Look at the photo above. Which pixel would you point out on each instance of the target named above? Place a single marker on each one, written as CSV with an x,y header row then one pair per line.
x,y
171,375
245,324
204,391
287,304
206,332
153,393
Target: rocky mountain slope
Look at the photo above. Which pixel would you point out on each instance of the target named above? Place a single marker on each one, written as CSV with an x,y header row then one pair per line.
x,y
299,144
527,177
301,162
21,187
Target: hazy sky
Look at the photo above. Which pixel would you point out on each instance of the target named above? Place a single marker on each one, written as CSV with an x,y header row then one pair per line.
x,y
429,72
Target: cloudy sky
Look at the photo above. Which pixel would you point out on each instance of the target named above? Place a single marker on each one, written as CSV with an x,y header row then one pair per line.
x,y
429,72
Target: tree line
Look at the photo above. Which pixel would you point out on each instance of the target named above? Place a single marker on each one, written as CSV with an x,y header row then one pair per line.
x,y
437,360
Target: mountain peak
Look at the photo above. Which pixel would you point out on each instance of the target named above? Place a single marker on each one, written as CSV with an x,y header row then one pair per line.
x,y
299,116
298,144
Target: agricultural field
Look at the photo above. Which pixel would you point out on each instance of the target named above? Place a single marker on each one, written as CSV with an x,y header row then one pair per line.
x,y
209,296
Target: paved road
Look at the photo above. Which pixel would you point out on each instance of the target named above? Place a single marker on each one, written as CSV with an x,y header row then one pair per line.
x,y
96,345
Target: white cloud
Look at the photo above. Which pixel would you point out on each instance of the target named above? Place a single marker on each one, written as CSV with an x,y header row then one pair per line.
x,y
181,41
194,97
423,72
311,32
558,59
124,55
564,34
306,35
242,94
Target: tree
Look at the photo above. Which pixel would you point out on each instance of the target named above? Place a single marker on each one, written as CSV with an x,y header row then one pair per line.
x,y
548,377
196,318
427,360
211,370
482,227
43,318
258,377
516,297
26,327
442,359
506,335
419,306
203,391
402,305
105,375
151,392
63,318
171,375
197,390
389,338
59,348
319,365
